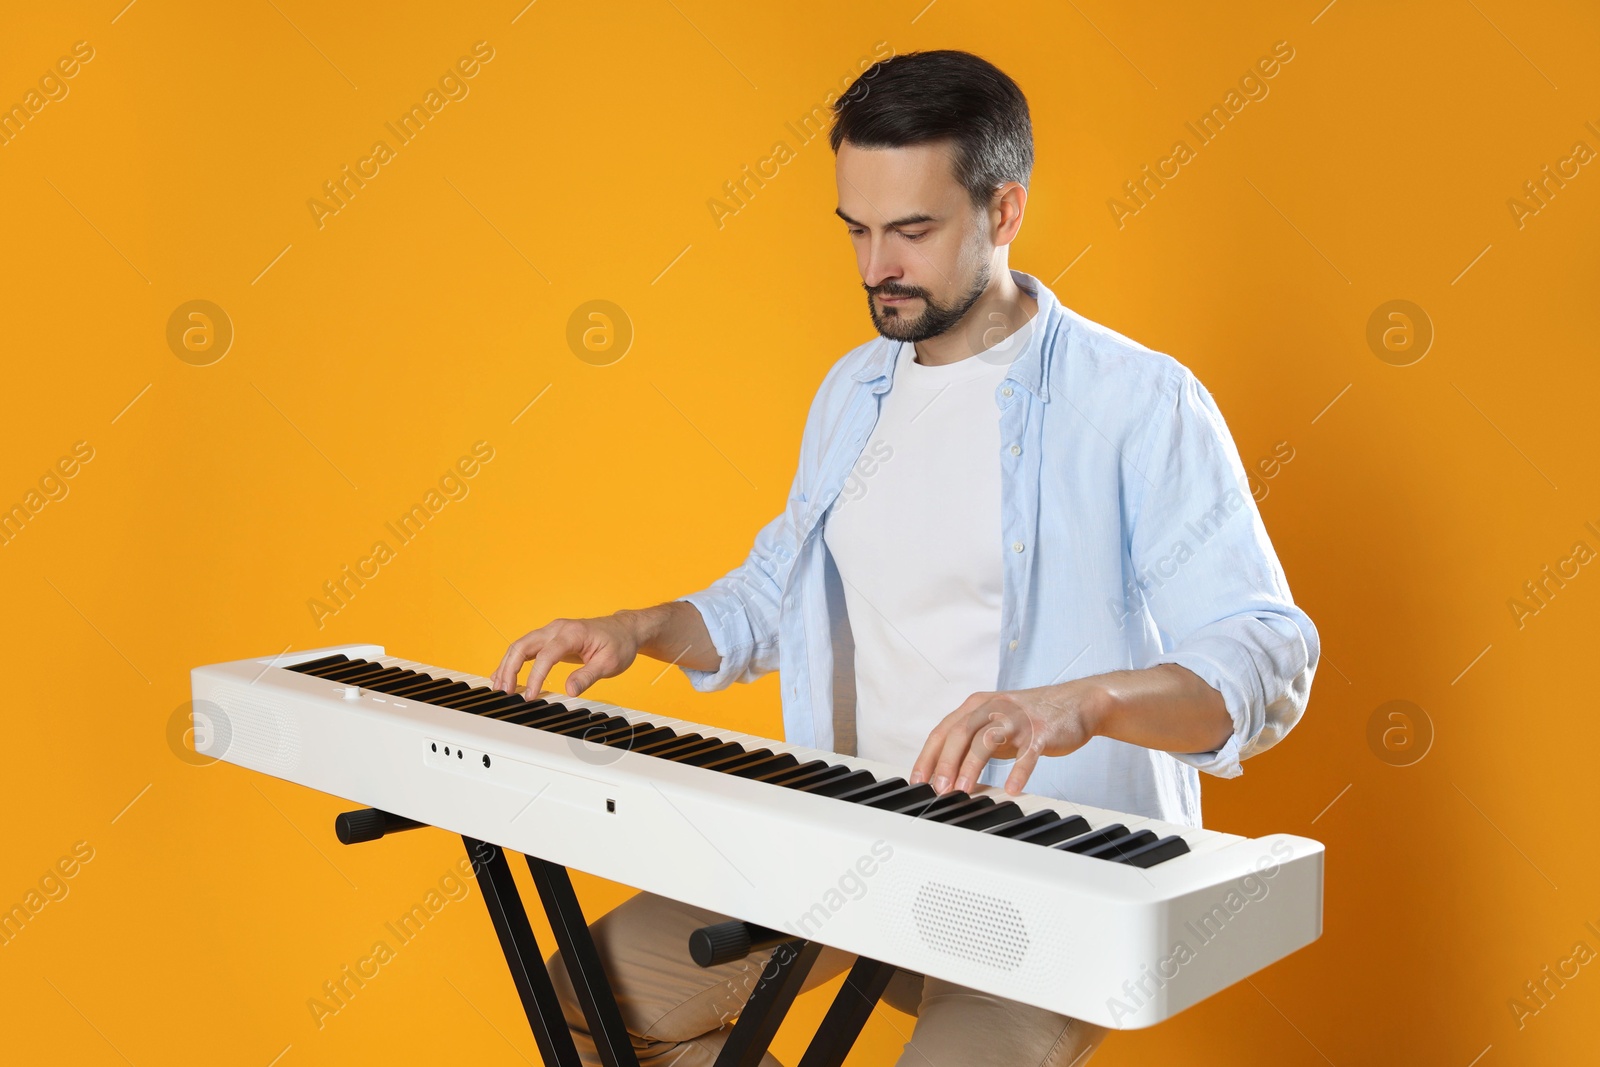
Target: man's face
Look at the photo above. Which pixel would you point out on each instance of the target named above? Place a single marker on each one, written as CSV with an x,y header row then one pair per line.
x,y
921,246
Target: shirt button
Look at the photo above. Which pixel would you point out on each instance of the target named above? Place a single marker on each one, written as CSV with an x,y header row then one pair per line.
x,y
1016,546
1006,391
1016,450
1013,645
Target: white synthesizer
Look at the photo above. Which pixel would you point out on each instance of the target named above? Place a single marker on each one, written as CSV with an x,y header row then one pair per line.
x,y
1114,918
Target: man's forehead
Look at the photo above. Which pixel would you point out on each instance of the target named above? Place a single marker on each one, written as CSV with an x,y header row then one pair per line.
x,y
896,186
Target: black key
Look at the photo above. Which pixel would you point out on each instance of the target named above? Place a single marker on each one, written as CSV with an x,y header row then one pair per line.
x,y
635,741
670,745
492,699
1156,852
907,796
460,700
1094,839
1115,850
1026,824
729,764
326,661
521,705
401,681
538,718
862,794
1060,830
419,690
598,733
583,726
996,815
946,800
710,755
827,771
947,812
331,668
365,681
778,777
622,736
843,783
768,765
450,691
356,672
676,752
657,747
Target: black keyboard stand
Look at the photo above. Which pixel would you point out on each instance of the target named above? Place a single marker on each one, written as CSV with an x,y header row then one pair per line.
x,y
521,948
780,981
775,991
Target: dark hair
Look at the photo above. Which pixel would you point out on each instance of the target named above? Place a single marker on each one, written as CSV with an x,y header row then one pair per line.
x,y
919,97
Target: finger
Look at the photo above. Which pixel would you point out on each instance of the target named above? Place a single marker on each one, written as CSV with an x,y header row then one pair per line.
x,y
521,650
601,666
557,647
1022,770
956,745
923,767
987,737
928,758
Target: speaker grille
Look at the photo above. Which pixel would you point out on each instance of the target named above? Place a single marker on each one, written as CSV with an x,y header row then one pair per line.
x,y
253,733
973,926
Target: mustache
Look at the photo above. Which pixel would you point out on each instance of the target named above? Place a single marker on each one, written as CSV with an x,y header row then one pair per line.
x,y
884,290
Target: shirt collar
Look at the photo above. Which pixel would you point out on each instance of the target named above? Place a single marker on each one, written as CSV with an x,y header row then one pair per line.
x,y
1030,369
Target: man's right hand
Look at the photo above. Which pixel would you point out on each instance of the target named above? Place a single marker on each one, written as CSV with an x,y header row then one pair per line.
x,y
606,646
673,632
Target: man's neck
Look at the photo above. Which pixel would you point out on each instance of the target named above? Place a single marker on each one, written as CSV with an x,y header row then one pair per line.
x,y
1001,311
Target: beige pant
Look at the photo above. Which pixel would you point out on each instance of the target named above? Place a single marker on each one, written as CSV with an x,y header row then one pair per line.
x,y
679,1014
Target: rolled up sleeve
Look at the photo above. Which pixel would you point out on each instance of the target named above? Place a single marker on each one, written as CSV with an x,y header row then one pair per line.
x,y
1211,579
741,611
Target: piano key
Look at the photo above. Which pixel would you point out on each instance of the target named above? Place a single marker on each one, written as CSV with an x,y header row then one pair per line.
x,y
1155,852
662,748
995,815
582,726
517,706
1093,839
1115,850
325,661
647,735
877,789
458,700
625,734
718,751
357,669
832,787
946,812
540,717
405,680
448,691
334,668
789,774
366,680
676,753
482,701
905,797
1031,821
611,726
728,764
813,777
420,688
770,765
1061,830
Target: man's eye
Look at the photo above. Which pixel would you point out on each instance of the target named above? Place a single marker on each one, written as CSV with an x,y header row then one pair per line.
x,y
915,236
857,233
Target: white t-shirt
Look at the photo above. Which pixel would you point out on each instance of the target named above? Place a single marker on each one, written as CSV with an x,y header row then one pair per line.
x,y
915,534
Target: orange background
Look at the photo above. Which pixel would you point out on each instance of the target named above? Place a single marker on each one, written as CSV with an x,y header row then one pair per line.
x,y
431,310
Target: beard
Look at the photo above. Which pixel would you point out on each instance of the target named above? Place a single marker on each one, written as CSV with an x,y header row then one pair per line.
x,y
936,318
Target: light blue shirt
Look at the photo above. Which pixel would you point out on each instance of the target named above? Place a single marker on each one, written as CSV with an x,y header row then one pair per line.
x,y
1129,538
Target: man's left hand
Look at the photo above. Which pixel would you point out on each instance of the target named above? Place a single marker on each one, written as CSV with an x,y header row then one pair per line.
x,y
1024,724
